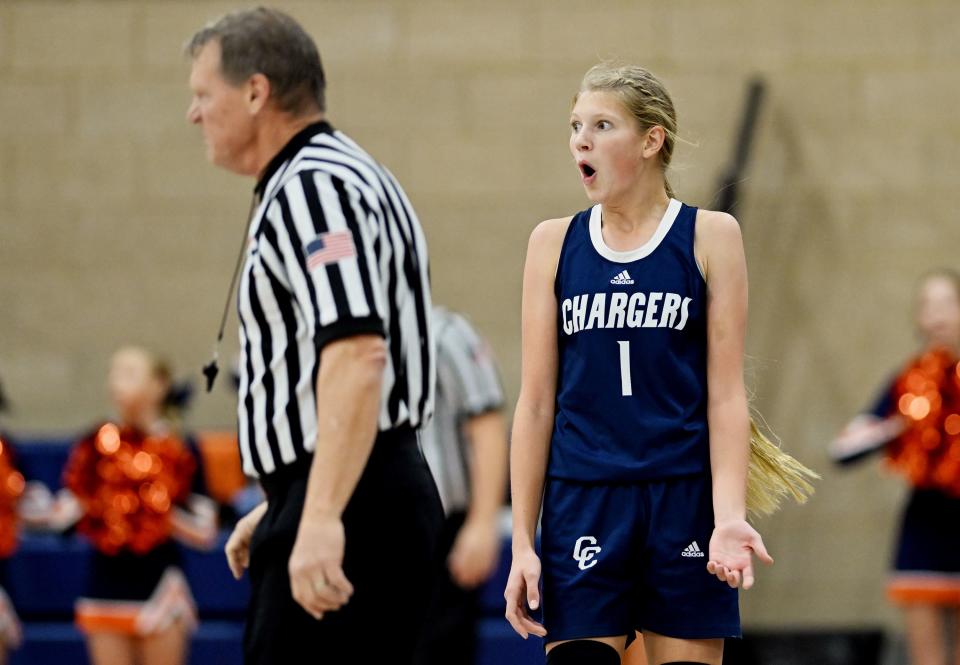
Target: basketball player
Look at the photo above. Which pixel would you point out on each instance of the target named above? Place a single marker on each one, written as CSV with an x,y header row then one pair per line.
x,y
632,420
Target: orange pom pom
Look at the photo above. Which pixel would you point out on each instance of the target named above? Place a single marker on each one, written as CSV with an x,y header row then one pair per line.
x,y
127,484
927,395
11,488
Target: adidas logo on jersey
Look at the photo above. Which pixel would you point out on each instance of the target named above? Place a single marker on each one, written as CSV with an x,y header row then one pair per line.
x,y
622,278
693,550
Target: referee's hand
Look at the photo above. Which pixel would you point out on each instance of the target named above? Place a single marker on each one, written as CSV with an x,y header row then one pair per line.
x,y
316,566
238,545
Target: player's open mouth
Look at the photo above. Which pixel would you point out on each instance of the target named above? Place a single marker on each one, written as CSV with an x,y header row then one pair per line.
x,y
586,170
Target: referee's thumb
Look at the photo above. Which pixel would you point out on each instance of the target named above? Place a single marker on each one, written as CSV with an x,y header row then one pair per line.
x,y
533,589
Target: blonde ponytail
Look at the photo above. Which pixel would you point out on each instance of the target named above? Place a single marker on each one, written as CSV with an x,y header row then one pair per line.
x,y
773,475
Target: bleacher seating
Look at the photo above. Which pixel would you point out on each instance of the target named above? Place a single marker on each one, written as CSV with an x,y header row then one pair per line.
x,y
47,573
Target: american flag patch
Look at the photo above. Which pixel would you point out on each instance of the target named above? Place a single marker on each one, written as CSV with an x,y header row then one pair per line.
x,y
329,248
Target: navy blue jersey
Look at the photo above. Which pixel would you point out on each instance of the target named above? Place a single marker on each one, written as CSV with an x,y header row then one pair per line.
x,y
632,384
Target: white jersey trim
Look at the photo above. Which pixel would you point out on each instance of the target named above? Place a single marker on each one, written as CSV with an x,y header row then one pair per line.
x,y
596,235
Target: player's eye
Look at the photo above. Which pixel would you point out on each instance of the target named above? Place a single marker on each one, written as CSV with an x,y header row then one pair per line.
x,y
604,124
575,126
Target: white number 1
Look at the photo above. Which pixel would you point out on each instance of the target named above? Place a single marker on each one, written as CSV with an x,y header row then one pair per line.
x,y
626,388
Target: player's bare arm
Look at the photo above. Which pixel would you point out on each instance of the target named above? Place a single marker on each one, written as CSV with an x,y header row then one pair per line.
x,y
533,419
719,250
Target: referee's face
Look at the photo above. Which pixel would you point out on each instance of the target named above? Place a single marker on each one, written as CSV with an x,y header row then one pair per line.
x,y
221,110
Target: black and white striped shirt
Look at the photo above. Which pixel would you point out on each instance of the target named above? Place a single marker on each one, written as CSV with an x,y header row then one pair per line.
x,y
335,249
468,385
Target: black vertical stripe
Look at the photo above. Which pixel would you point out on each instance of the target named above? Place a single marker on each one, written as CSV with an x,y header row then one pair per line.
x,y
399,392
412,271
347,207
396,341
248,399
291,353
368,211
266,355
319,219
291,230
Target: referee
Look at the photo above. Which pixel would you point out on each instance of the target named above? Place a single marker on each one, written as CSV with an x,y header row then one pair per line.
x,y
336,359
466,447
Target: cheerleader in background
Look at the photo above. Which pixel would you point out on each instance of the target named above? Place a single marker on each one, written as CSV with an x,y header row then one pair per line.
x,y
11,489
129,485
916,422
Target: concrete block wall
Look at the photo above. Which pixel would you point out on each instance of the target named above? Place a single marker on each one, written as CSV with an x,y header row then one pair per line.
x,y
114,229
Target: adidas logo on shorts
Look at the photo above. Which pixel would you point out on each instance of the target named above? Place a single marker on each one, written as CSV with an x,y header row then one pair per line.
x,y
622,278
693,550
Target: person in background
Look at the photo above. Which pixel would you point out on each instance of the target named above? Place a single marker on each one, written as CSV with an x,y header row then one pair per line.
x,y
11,489
128,487
465,445
915,422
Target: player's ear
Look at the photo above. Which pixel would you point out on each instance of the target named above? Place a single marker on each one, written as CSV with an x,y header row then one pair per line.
x,y
653,141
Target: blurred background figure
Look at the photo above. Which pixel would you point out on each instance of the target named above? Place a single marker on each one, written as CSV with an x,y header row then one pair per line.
x,y
128,487
11,489
466,447
916,423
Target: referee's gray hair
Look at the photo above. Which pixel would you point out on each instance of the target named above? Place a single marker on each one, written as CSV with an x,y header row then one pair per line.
x,y
269,42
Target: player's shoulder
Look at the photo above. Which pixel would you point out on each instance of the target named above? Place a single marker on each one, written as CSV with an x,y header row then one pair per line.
x,y
550,233
546,242
557,225
718,240
717,224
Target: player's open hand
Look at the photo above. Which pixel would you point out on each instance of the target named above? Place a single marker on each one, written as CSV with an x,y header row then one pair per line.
x,y
238,544
474,553
317,580
523,589
731,548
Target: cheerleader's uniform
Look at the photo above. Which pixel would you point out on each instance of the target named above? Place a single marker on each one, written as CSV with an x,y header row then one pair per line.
x,y
11,489
128,485
926,567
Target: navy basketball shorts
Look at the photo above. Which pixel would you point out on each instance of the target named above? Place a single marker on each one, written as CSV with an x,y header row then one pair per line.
x,y
619,558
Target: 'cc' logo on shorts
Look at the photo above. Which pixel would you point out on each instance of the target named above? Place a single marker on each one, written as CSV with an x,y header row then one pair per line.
x,y
584,551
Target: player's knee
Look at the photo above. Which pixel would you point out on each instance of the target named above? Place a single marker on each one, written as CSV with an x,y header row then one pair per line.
x,y
581,652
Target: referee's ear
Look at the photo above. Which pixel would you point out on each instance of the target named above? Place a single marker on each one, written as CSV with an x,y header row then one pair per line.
x,y
257,93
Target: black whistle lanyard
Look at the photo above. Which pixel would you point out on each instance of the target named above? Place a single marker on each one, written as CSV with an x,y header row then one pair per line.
x,y
211,369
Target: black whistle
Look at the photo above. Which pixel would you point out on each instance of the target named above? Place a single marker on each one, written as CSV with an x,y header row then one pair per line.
x,y
210,371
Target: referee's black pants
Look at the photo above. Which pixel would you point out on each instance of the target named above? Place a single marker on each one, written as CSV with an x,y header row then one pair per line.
x,y
392,526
